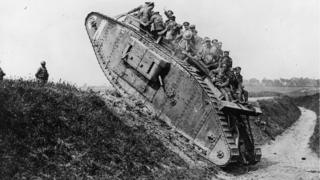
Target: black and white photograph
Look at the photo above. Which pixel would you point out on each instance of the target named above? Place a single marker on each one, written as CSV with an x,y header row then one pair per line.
x,y
159,90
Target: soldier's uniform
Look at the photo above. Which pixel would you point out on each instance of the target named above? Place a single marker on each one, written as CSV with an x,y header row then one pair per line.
x,y
186,44
226,60
42,74
207,54
221,79
219,50
2,74
156,24
242,95
144,14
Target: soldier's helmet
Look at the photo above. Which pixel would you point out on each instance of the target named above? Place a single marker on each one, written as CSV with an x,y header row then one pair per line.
x,y
226,52
237,68
206,39
187,35
149,3
185,23
43,63
192,26
170,12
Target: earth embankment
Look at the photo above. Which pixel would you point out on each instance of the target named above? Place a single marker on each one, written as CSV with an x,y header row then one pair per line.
x,y
58,131
279,113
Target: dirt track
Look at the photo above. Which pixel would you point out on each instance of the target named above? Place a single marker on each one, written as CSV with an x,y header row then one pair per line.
x,y
288,157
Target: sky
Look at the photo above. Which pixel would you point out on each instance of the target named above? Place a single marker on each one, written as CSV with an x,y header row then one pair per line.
x,y
267,38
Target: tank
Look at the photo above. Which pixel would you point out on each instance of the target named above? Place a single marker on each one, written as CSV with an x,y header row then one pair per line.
x,y
135,64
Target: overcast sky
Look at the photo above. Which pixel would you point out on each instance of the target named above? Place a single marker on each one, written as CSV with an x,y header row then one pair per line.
x,y
267,38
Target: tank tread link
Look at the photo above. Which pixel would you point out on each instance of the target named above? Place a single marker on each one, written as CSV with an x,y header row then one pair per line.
x,y
109,36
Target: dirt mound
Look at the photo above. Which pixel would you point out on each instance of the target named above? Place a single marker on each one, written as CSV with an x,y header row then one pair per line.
x,y
59,131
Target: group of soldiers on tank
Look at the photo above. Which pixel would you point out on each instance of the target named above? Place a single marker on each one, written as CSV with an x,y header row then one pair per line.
x,y
41,75
207,55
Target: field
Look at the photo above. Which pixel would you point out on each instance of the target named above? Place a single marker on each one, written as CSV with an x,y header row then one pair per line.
x,y
260,91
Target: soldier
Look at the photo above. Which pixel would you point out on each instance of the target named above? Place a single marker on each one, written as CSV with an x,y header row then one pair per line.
x,y
169,15
2,74
185,28
215,42
197,40
185,44
42,73
226,59
222,81
170,26
157,26
144,13
219,50
207,54
242,95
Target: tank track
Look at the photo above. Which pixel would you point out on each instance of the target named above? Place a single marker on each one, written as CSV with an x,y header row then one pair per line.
x,y
223,118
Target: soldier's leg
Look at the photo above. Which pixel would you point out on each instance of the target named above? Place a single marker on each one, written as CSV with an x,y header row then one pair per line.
x,y
225,94
245,95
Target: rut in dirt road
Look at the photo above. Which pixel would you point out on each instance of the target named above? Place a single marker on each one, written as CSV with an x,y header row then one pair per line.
x,y
289,156
292,146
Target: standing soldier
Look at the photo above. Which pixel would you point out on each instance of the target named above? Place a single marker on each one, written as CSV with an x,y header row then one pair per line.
x,y
42,73
2,74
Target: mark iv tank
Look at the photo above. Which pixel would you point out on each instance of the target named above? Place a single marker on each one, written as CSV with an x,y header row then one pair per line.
x,y
135,64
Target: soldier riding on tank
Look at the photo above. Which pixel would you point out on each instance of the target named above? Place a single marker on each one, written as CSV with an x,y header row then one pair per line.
x,y
221,79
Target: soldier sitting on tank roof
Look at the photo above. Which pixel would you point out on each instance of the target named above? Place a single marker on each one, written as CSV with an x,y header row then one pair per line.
x,y
196,38
221,79
207,54
170,26
219,51
157,27
238,88
185,44
185,27
226,59
169,15
144,13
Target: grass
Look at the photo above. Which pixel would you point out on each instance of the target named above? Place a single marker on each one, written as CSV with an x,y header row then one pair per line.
x,y
57,131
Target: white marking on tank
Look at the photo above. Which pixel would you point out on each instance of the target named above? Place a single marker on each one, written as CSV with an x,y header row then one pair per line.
x,y
100,29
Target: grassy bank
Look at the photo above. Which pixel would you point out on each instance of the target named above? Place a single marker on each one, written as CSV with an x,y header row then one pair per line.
x,y
59,131
278,114
311,102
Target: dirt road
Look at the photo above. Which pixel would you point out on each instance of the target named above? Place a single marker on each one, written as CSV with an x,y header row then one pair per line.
x,y
288,157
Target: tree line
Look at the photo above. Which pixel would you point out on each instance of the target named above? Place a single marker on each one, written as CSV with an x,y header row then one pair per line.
x,y
282,82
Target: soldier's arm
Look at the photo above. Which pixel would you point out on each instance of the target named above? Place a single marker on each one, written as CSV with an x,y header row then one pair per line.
x,y
215,71
135,9
226,83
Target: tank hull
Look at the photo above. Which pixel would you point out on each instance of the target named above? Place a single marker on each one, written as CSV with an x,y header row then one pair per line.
x,y
135,65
